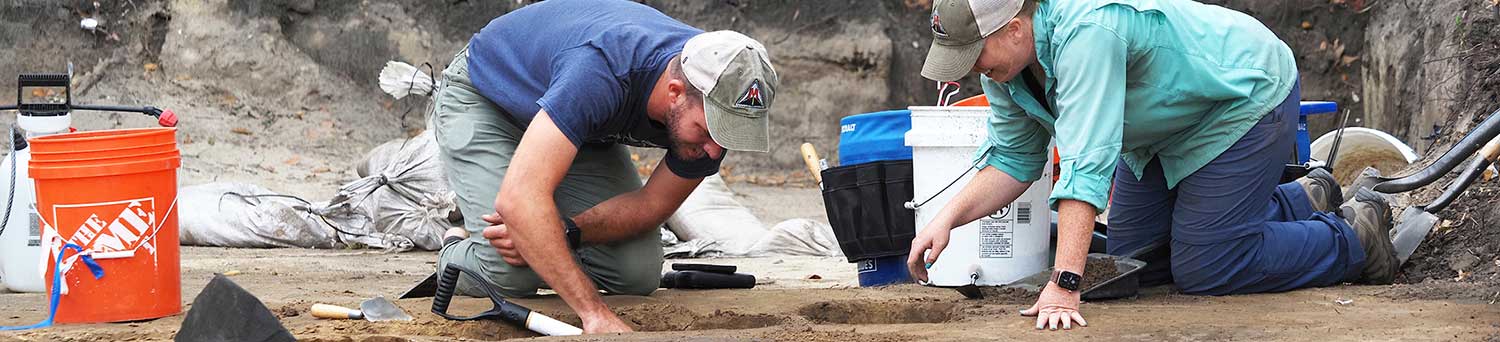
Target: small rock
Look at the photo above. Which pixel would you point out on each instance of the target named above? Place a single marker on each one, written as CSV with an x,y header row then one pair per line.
x,y
304,7
1462,262
814,277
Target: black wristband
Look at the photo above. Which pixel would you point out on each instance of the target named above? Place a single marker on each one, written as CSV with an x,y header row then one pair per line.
x,y
572,233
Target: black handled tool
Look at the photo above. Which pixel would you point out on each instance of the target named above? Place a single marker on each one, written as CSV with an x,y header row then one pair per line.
x,y
504,310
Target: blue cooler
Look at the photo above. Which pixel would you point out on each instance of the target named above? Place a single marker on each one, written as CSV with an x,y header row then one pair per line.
x,y
874,137
866,193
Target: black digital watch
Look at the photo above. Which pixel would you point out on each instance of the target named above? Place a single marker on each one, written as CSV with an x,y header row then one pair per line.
x,y
571,231
1067,280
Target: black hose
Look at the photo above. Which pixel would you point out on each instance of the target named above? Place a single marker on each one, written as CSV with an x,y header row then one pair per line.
x,y
1462,150
1471,173
148,110
10,199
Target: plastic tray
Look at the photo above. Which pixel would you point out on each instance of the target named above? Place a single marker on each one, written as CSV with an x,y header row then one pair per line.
x,y
1124,285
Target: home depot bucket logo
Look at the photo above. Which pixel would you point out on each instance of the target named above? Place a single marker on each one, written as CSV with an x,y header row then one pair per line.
x,y
106,230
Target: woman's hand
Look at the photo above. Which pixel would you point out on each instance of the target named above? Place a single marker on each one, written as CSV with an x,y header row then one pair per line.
x,y
1056,305
935,238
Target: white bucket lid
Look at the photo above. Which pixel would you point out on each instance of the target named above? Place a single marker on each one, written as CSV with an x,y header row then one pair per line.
x,y
948,126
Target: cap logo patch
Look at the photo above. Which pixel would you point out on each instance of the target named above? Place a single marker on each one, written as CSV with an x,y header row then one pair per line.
x,y
937,25
752,98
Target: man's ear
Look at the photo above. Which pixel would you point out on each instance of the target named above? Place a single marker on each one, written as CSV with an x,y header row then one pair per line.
x,y
1013,27
678,89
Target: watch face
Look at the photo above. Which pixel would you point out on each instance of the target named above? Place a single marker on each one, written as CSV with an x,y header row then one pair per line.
x,y
1069,280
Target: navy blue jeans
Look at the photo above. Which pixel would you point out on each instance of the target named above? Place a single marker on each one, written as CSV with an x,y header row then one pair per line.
x,y
1230,227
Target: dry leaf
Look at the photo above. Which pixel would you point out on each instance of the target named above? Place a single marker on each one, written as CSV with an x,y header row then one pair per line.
x,y
241,131
322,169
1461,276
151,67
1350,60
293,160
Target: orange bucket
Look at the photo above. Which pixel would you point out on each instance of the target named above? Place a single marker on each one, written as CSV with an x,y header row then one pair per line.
x,y
114,193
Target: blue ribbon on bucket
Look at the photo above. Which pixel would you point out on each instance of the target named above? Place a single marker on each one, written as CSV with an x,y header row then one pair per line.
x,y
57,284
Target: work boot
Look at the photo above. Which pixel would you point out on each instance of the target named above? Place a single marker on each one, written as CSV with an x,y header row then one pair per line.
x,y
1322,190
1367,179
1370,216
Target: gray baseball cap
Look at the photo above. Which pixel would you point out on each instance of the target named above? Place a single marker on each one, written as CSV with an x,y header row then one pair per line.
x,y
958,29
738,83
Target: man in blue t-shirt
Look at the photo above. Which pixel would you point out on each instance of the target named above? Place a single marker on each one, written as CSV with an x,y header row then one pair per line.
x,y
532,117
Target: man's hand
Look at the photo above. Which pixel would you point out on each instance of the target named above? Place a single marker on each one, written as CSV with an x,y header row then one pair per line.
x,y
604,322
934,237
499,237
1056,305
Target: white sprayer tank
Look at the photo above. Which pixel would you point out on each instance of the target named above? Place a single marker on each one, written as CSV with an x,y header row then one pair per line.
x,y
21,252
22,259
1003,247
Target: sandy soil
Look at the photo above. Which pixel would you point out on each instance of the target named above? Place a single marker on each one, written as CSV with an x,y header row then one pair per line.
x,y
786,306
796,299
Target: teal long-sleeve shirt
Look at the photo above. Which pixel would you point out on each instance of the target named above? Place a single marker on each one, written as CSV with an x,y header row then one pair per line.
x,y
1132,80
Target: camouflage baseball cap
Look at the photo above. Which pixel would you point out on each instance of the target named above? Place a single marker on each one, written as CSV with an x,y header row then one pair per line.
x,y
958,30
734,73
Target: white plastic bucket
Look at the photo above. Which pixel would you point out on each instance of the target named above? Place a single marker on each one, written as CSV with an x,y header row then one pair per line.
x,y
1363,147
1003,247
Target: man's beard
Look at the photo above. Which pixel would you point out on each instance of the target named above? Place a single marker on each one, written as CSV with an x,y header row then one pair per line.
x,y
675,131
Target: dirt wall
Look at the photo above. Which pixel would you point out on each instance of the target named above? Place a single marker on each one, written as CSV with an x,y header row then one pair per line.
x,y
299,75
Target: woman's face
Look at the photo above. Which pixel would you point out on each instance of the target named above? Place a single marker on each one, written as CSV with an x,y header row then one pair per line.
x,y
1007,51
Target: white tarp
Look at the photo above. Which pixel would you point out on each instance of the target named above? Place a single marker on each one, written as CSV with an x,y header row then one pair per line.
x,y
711,223
404,203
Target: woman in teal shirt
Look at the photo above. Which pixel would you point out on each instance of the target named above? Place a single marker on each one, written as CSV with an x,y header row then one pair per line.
x,y
1188,108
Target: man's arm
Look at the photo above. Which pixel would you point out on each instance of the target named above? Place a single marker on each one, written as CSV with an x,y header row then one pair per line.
x,y
630,214
526,202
